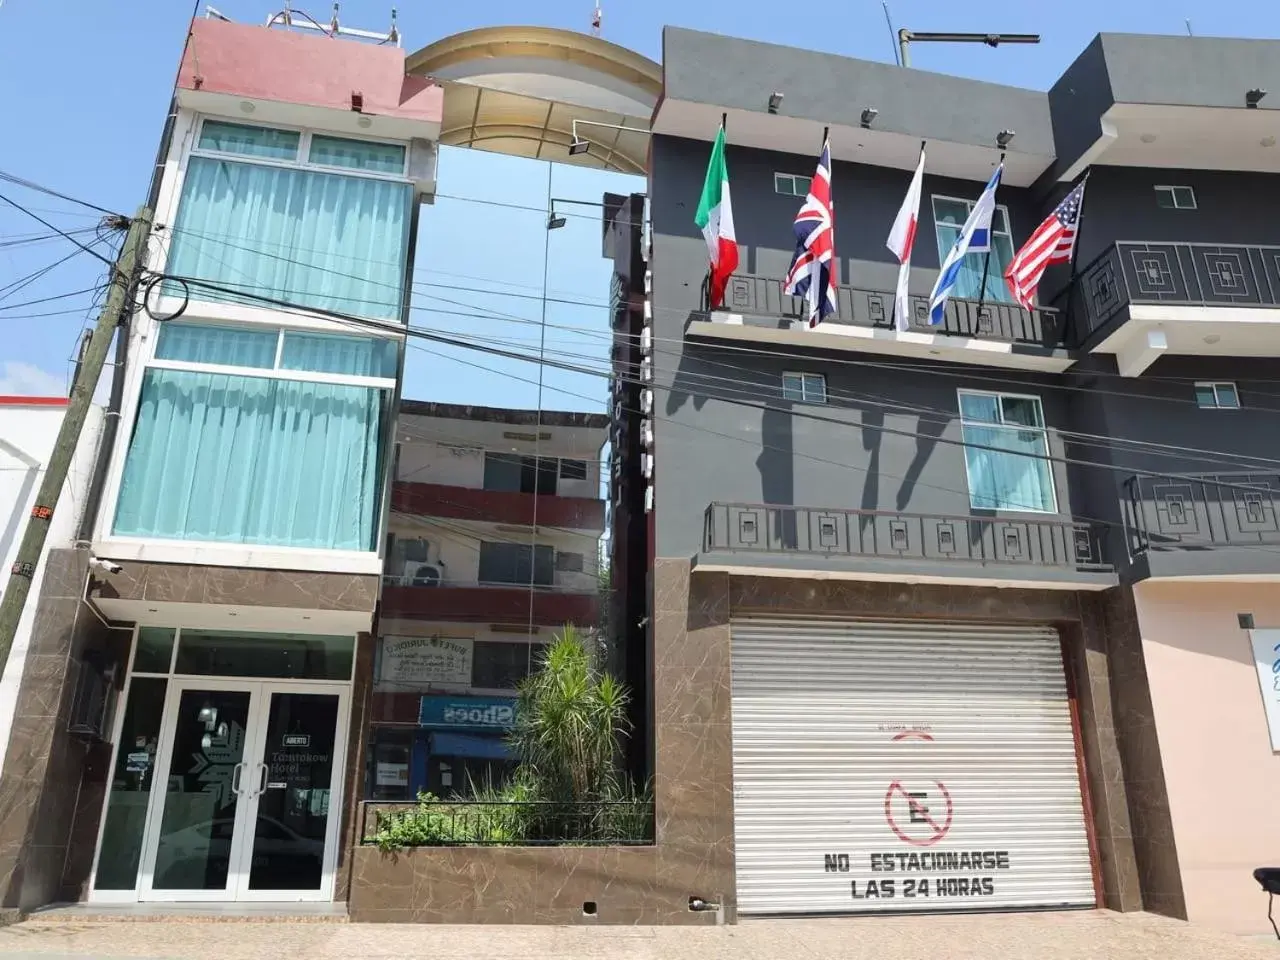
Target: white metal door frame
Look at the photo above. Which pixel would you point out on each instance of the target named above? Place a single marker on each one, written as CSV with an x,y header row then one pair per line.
x,y
250,785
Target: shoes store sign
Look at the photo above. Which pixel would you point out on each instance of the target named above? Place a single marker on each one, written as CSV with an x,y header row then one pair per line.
x,y
1266,656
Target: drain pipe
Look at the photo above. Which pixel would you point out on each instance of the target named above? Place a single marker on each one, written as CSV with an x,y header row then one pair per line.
x,y
699,905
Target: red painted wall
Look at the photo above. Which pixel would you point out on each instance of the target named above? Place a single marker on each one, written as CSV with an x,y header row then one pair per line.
x,y
275,64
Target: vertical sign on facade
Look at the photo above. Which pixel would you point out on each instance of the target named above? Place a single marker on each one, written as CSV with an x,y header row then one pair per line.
x,y
1266,657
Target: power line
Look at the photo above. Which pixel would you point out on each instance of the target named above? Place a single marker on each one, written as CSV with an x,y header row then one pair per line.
x,y
65,234
49,191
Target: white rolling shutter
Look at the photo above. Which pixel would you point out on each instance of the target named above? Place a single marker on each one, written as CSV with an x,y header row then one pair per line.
x,y
904,766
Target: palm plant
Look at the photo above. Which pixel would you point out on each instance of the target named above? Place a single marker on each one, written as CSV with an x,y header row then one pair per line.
x,y
570,718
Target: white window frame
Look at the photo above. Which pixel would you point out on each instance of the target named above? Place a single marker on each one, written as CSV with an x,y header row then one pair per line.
x,y
969,205
804,392
1043,429
1215,386
302,160
779,177
1173,189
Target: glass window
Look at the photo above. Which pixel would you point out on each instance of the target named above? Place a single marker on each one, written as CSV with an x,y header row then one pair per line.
x,y
1015,475
390,755
130,786
226,346
514,473
949,215
249,141
321,240
501,666
790,185
1217,396
286,656
242,459
1175,198
154,653
573,469
804,387
357,154
335,353
569,562
516,563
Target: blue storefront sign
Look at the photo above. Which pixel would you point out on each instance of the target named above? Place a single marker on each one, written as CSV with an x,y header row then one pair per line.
x,y
467,713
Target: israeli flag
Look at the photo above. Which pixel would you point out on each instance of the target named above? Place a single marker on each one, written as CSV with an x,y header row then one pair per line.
x,y
974,238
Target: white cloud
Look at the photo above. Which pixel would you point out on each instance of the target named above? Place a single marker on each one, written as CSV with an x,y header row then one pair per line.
x,y
19,379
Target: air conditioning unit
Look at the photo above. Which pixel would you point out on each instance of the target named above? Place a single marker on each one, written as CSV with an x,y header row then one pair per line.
x,y
419,573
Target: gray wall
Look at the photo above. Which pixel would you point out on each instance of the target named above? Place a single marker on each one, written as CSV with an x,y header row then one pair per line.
x,y
731,73
711,449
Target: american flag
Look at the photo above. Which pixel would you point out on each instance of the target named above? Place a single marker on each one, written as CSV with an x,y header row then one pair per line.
x,y
813,268
1053,242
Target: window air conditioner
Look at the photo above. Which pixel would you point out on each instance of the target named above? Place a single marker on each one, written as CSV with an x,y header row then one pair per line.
x,y
418,573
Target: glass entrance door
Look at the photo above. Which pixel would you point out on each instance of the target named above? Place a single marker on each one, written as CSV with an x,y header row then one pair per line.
x,y
244,811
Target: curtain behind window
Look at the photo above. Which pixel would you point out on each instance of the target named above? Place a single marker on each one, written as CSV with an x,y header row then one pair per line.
x,y
1012,478
239,459
949,218
320,239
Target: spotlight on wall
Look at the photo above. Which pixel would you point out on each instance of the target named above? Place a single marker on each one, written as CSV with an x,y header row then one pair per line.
x,y
578,148
555,221
1004,138
868,115
775,101
1253,97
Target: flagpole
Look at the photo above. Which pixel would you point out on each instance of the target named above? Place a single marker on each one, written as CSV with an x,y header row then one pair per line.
x,y
1079,225
986,264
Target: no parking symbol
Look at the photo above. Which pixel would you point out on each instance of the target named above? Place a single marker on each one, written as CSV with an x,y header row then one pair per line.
x,y
919,813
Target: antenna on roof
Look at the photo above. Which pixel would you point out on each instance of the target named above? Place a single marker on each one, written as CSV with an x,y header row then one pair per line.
x,y
596,18
888,18
905,37
1189,31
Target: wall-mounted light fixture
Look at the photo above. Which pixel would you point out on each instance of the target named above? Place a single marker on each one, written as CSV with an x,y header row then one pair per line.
x,y
555,220
775,101
581,145
1004,138
1253,97
868,116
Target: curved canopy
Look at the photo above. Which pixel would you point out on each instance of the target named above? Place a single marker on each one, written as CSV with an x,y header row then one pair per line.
x,y
520,90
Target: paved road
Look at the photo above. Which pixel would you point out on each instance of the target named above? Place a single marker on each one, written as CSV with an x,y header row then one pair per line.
x,y
1044,936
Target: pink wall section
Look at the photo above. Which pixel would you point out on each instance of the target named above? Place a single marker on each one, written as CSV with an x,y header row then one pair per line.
x,y
1223,780
257,63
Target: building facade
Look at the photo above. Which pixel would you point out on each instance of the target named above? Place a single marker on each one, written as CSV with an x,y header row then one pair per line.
x,y
238,542
969,616
493,547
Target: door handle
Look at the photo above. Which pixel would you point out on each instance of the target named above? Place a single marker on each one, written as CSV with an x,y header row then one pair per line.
x,y
262,778
236,772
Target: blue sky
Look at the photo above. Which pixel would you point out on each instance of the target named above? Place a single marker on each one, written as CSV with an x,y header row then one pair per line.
x,y
88,85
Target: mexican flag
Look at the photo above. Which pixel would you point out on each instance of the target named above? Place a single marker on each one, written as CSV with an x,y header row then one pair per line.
x,y
715,220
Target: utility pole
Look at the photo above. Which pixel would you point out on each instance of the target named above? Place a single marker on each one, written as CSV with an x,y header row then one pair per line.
x,y
123,277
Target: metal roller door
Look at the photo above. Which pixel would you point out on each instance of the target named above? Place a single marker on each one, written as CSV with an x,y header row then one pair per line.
x,y
904,766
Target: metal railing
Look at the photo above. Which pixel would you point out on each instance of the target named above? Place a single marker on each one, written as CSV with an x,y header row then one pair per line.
x,y
764,528
1176,274
1197,511
997,321
426,579
453,823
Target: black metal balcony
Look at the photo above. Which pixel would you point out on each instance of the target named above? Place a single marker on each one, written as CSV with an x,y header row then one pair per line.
x,y
1173,274
1201,511
1042,328
742,528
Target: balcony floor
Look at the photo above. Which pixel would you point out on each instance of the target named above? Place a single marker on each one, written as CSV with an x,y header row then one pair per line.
x,y
890,570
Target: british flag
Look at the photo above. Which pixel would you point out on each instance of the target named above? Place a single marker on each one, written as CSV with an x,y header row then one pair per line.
x,y
813,268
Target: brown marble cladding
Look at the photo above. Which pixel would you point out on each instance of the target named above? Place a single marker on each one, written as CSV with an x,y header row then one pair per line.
x,y
40,783
353,777
693,854
1139,745
184,583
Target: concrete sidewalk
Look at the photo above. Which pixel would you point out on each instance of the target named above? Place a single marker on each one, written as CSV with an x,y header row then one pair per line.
x,y
1097,935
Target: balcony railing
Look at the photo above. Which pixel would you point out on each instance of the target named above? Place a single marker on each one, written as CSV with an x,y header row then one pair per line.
x,y
452,823
1174,274
1003,322
767,529
1200,511
470,601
